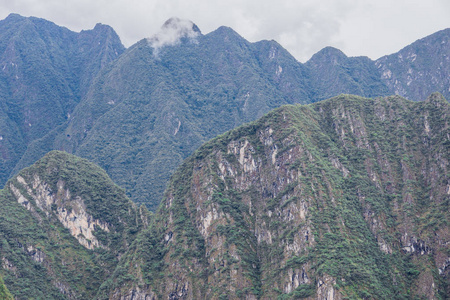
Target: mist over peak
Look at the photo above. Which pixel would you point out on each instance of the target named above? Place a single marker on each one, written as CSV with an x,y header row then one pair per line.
x,y
172,31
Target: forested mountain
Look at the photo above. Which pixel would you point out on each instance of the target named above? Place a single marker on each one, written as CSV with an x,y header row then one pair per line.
x,y
333,73
344,198
139,113
157,103
414,72
149,110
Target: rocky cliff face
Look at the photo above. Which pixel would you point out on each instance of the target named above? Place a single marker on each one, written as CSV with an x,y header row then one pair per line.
x,y
65,226
70,211
344,198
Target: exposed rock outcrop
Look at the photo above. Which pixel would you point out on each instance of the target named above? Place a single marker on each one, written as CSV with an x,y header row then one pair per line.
x,y
70,210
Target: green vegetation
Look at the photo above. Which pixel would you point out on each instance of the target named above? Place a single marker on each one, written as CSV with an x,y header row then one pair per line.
x,y
4,293
306,199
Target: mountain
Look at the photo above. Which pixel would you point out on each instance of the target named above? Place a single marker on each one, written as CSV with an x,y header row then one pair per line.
x,y
414,72
64,226
344,198
45,70
139,112
347,198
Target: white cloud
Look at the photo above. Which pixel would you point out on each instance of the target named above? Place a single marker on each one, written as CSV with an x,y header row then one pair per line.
x,y
370,27
172,32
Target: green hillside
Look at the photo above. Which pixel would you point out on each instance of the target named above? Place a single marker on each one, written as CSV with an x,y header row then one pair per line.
x,y
4,293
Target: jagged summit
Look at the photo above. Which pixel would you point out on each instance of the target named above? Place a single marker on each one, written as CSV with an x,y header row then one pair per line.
x,y
14,19
100,26
228,35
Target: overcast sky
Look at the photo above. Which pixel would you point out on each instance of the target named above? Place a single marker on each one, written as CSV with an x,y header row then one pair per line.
x,y
357,27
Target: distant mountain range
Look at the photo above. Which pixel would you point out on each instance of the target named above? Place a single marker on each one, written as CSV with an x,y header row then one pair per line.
x,y
138,112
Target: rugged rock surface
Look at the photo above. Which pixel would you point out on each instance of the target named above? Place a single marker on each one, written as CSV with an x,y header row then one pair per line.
x,y
348,197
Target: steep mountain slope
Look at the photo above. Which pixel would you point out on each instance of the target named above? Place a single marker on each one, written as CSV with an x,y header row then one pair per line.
x,y
414,72
64,226
44,72
348,197
420,68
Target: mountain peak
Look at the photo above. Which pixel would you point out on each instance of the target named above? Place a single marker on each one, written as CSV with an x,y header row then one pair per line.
x,y
99,26
329,54
437,99
177,24
173,31
225,30
14,16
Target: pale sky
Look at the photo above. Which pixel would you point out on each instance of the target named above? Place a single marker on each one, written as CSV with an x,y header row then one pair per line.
x,y
370,28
